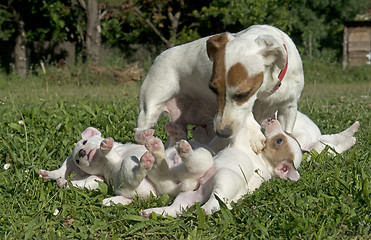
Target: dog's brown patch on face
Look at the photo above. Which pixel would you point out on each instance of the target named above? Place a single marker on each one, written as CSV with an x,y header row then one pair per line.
x,y
277,149
216,52
238,76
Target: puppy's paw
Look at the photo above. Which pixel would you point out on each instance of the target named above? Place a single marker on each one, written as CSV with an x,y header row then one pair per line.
x,y
106,145
257,142
62,183
43,173
141,135
183,148
175,131
147,160
355,127
147,213
154,144
116,200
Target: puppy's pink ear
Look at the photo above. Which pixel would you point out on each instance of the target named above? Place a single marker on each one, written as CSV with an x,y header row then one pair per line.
x,y
287,170
215,43
272,51
89,132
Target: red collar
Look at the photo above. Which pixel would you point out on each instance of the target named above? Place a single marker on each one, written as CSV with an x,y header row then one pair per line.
x,y
283,71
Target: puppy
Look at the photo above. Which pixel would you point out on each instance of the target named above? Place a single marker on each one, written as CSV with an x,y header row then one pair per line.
x,y
97,159
216,82
130,168
236,173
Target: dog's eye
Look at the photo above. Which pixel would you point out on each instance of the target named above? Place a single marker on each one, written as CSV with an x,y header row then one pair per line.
x,y
84,142
242,96
279,141
77,161
213,88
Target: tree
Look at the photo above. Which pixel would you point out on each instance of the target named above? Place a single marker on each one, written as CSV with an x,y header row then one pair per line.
x,y
93,28
29,21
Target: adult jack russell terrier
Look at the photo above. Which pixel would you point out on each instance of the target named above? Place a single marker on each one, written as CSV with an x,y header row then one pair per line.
x,y
236,173
226,77
130,168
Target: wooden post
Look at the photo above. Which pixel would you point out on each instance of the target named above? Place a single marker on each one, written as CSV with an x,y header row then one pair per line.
x,y
345,47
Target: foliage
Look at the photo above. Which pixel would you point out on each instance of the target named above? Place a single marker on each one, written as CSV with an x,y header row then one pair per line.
x,y
236,15
322,22
38,129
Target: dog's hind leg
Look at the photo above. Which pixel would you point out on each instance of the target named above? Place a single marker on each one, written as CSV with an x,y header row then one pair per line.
x,y
345,145
335,139
155,146
228,187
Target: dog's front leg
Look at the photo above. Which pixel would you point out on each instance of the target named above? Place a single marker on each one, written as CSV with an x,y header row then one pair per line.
x,y
287,117
249,133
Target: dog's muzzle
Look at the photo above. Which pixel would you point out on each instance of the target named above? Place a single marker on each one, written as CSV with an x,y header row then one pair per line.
x,y
225,132
82,153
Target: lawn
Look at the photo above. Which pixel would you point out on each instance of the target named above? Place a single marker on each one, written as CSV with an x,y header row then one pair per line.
x,y
42,117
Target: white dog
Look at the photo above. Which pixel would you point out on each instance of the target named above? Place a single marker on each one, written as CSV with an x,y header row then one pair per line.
x,y
258,69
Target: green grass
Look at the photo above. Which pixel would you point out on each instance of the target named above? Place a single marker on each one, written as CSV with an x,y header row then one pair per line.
x,y
330,201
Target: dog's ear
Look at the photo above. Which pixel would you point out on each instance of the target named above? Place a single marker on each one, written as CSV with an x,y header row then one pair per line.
x,y
272,51
287,170
89,132
215,43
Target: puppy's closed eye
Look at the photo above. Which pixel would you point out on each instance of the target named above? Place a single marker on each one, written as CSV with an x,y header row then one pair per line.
x,y
77,161
213,87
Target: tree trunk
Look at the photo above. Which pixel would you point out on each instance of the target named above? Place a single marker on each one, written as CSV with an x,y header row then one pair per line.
x,y
93,29
20,48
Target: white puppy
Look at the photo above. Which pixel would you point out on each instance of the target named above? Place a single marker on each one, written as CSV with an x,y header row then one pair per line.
x,y
236,173
221,77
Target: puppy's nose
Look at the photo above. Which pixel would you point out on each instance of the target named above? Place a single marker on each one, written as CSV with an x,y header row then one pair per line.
x,y
224,133
82,153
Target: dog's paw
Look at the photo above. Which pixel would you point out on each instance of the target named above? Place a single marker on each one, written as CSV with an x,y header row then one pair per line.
x,y
257,142
175,131
116,200
106,145
355,127
183,148
154,144
62,183
147,160
43,173
147,213
141,135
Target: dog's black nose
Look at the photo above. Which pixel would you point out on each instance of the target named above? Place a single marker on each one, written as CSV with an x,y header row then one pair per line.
x,y
82,153
224,133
